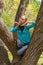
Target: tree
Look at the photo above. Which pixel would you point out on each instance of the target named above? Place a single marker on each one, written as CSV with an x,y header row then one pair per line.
x,y
35,46
4,60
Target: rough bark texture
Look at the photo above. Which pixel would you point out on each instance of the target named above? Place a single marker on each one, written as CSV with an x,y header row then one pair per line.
x,y
7,37
3,55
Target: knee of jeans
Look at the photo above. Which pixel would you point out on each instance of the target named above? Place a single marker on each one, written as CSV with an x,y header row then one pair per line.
x,y
19,53
26,46
18,45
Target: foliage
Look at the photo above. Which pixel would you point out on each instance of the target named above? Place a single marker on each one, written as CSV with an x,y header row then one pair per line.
x,y
32,9
10,9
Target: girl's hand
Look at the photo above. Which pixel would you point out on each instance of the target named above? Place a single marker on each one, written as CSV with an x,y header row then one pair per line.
x,y
26,23
16,24
29,22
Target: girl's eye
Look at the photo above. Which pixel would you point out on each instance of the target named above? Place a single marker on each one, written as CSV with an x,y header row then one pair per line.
x,y
22,19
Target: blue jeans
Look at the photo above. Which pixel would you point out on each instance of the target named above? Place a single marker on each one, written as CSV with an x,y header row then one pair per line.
x,y
22,47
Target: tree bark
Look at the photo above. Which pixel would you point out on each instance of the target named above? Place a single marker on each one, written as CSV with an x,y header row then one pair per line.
x,y
4,60
21,9
7,37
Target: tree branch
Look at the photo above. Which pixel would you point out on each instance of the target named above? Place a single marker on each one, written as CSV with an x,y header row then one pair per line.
x,y
7,37
4,60
21,9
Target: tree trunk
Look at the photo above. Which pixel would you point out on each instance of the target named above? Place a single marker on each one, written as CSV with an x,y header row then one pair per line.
x,y
3,55
21,9
7,37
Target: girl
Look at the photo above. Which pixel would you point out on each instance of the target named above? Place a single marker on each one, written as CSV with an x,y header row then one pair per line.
x,y
23,33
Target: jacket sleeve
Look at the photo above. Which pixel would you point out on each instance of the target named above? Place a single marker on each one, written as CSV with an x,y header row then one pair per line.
x,y
13,29
31,25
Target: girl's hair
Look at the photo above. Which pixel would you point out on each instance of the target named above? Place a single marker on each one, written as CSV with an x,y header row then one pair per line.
x,y
24,17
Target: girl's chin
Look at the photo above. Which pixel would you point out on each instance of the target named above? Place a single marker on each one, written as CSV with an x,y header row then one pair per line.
x,y
22,24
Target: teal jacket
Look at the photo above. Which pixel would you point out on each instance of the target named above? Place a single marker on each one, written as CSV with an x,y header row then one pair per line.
x,y
24,36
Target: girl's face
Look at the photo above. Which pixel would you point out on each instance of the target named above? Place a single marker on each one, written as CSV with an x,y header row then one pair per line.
x,y
22,20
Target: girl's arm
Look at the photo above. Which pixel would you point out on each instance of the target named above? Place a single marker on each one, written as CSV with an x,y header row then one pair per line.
x,y
14,27
31,25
